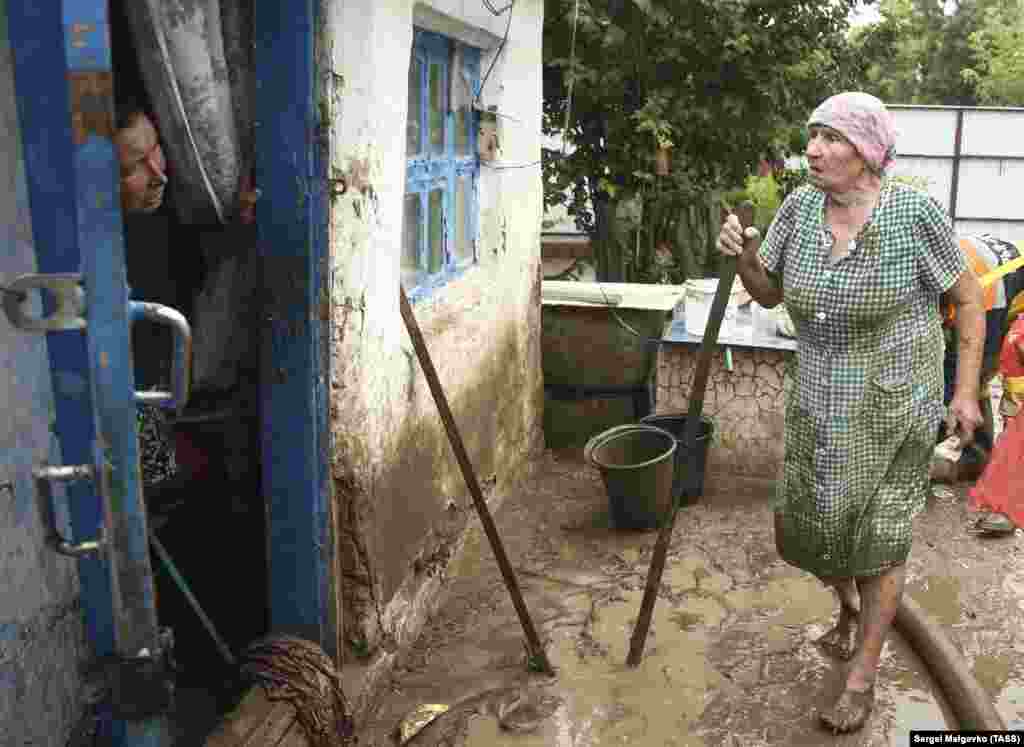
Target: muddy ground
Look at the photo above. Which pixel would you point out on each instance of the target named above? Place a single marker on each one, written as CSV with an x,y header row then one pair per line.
x,y
730,659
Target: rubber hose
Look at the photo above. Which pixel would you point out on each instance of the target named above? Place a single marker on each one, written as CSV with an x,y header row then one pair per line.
x,y
970,703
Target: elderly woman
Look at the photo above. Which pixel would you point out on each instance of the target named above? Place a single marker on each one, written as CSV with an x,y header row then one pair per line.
x,y
861,262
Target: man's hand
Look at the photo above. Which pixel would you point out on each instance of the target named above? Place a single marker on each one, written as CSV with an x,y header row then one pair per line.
x,y
963,418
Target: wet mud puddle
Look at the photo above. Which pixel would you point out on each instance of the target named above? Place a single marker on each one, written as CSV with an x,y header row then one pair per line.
x,y
602,702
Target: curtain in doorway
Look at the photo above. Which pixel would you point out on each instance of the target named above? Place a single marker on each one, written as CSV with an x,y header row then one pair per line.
x,y
196,62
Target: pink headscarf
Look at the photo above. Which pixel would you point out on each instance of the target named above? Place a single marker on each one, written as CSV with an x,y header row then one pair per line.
x,y
865,122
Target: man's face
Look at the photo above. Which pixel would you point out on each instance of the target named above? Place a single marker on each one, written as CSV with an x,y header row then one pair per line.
x,y
143,176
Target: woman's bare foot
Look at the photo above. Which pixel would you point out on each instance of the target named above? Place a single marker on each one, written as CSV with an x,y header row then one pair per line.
x,y
840,642
850,711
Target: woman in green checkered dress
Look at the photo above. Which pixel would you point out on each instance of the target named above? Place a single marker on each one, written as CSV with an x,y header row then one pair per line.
x,y
861,262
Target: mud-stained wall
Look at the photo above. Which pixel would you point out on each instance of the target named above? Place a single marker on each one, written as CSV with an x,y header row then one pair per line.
x,y
401,501
42,637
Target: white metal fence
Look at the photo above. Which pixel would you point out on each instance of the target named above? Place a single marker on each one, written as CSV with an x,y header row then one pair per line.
x,y
973,159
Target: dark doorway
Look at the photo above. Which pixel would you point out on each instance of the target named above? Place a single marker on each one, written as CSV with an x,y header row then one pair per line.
x,y
209,512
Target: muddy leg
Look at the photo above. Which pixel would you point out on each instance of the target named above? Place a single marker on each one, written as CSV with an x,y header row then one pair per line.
x,y
880,598
841,641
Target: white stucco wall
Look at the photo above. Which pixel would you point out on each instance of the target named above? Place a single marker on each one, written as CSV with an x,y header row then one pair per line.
x,y
41,631
398,487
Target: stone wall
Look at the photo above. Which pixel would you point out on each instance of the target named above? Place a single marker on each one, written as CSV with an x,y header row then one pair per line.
x,y
400,500
746,404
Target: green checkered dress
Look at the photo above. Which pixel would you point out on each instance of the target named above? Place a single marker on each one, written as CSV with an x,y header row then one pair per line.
x,y
867,397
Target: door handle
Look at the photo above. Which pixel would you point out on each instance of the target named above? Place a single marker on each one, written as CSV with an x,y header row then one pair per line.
x,y
68,295
43,475
181,370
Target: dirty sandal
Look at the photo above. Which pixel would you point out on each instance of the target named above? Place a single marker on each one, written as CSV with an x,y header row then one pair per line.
x,y
850,711
839,644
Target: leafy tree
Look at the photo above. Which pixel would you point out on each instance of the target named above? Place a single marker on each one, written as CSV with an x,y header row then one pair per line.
x,y
998,46
931,52
716,84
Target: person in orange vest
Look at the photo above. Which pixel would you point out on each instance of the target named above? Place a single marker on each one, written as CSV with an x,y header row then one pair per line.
x,y
999,266
1001,486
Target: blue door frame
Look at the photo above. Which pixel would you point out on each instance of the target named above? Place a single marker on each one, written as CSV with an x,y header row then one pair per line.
x,y
291,171
63,81
62,62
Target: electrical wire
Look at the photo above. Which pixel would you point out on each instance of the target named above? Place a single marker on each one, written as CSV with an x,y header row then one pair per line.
x,y
568,113
501,47
572,73
490,6
572,81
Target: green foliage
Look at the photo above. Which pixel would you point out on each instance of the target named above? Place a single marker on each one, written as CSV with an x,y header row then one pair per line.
x,y
967,54
998,45
722,82
790,179
764,192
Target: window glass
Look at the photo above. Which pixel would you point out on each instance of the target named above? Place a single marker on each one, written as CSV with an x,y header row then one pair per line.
x,y
435,260
462,103
439,217
412,275
437,113
412,123
463,239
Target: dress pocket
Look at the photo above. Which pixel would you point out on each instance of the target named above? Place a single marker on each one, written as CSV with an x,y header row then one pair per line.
x,y
892,383
889,408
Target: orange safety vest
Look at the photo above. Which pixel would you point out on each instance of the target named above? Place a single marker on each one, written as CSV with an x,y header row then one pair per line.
x,y
987,277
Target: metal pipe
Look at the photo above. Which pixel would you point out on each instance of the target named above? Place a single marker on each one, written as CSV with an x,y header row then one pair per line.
x,y
182,365
963,157
73,549
64,474
47,517
172,569
954,187
538,657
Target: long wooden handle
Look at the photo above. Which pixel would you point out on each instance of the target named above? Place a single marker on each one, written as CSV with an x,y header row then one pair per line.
x,y
727,274
538,658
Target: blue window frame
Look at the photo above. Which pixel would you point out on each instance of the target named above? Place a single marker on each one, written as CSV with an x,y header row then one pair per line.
x,y
439,233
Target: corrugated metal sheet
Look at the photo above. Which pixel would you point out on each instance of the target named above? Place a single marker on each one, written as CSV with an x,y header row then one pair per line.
x,y
979,178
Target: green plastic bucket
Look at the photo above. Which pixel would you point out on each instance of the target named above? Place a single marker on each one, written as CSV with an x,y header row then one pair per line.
x,y
690,464
636,463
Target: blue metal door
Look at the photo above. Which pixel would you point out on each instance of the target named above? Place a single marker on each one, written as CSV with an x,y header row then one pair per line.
x,y
64,88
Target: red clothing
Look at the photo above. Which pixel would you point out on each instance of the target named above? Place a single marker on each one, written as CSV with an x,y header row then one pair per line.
x,y
1011,363
1001,486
